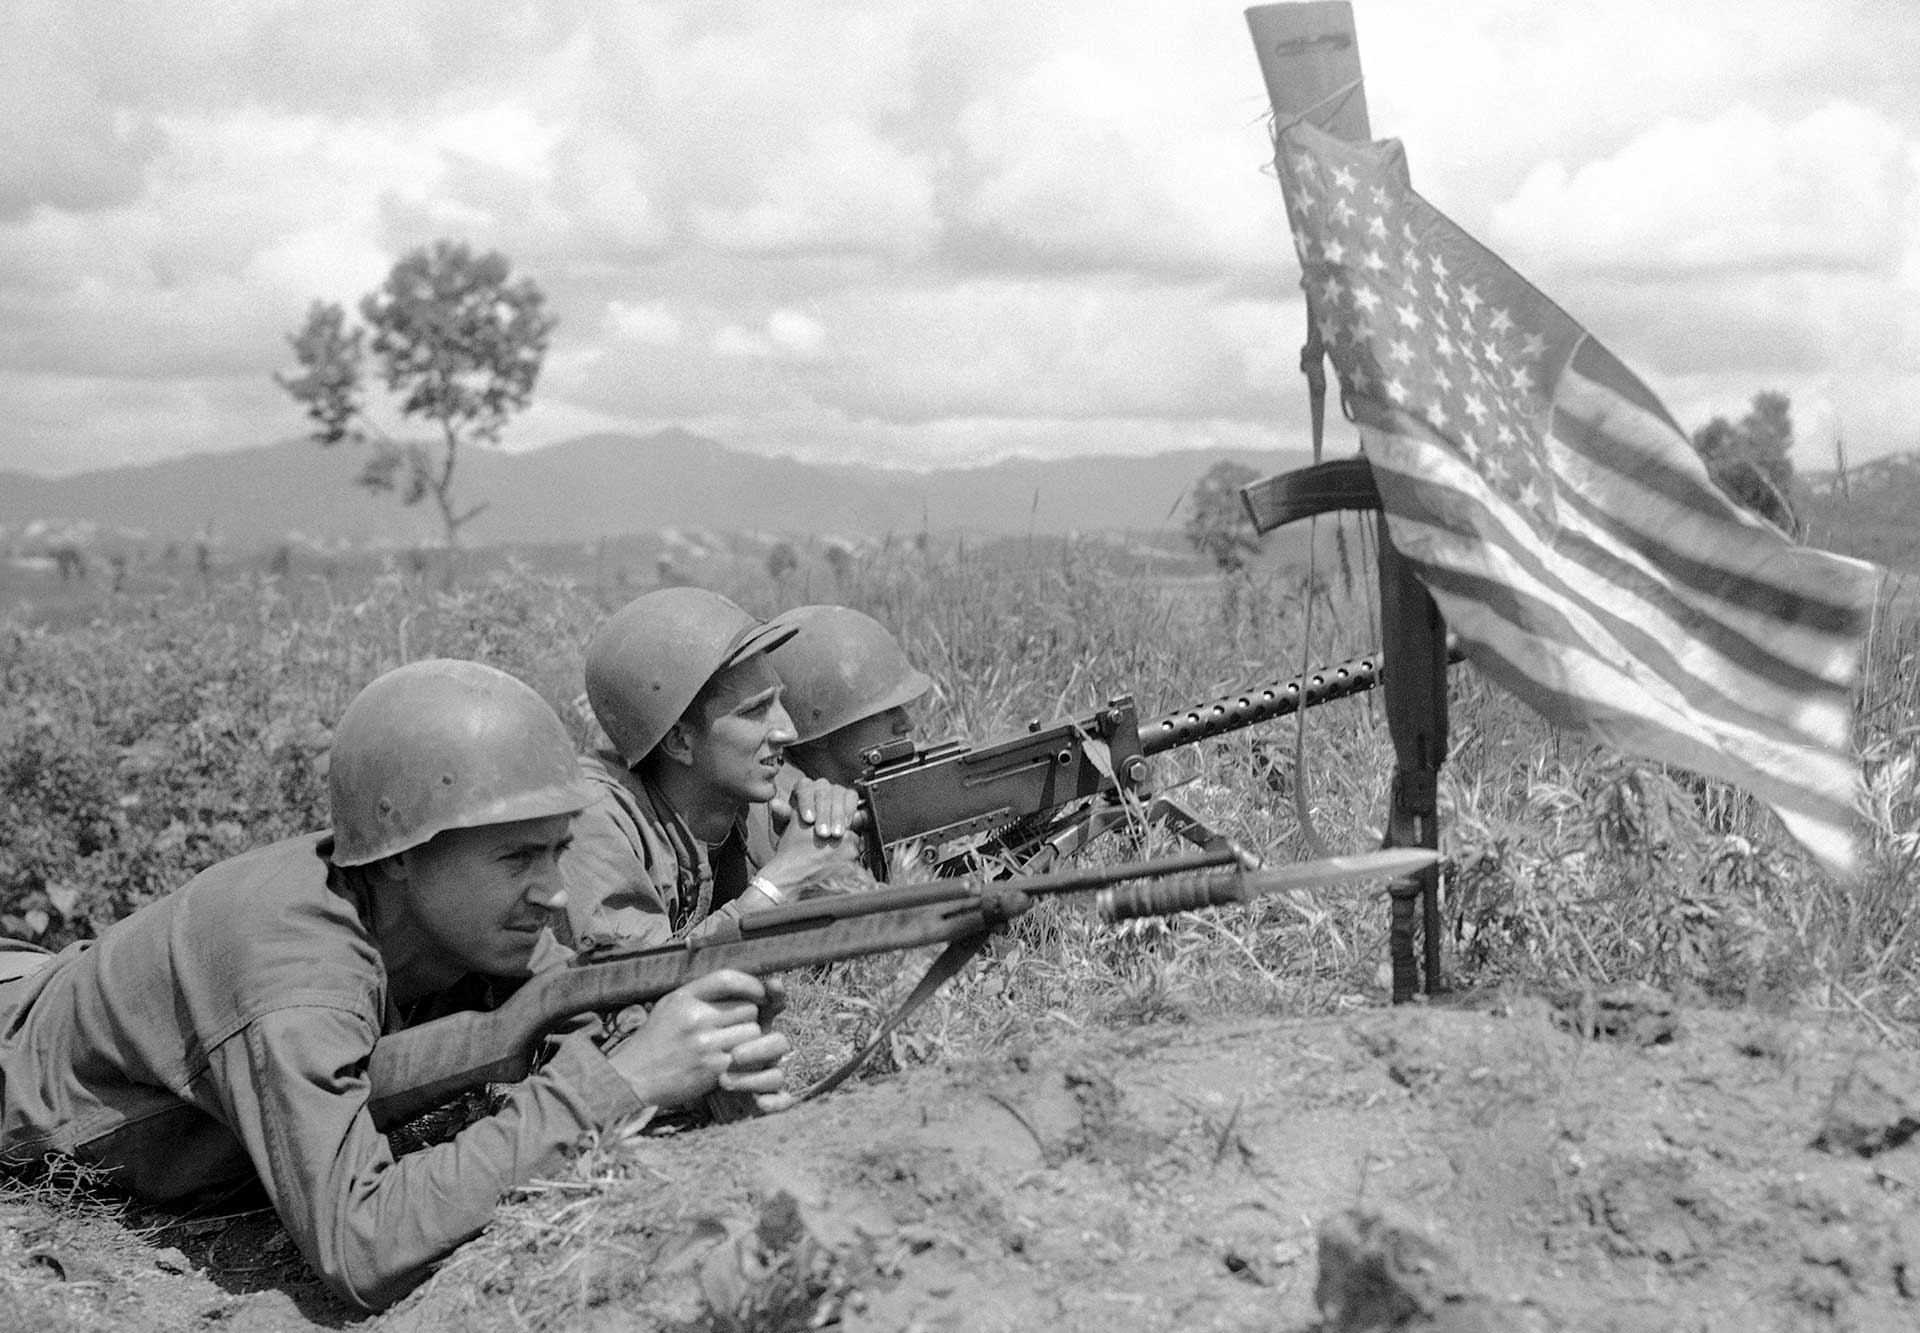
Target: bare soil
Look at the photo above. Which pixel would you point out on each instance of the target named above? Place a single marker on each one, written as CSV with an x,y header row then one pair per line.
x,y
1600,1162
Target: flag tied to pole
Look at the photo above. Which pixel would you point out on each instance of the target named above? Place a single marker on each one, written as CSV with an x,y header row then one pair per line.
x,y
1559,516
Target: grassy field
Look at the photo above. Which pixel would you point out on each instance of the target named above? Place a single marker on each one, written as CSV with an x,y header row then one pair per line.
x,y
148,733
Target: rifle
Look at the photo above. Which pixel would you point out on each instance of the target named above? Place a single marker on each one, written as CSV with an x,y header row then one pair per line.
x,y
1021,797
418,1068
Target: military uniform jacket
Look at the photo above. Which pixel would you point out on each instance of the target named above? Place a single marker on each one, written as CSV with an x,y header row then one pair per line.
x,y
636,875
225,1030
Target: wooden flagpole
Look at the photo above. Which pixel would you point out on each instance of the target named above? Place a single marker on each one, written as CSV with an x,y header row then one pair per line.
x,y
1310,60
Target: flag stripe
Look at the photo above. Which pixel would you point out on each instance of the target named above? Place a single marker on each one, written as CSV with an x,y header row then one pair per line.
x,y
1619,442
1778,777
1629,436
1754,604
1531,587
1583,684
1634,604
1819,822
1551,634
1791,658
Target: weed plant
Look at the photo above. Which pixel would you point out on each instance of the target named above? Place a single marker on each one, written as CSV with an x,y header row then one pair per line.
x,y
168,731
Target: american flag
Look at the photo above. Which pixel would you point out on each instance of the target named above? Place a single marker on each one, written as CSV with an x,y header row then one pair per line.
x,y
1559,516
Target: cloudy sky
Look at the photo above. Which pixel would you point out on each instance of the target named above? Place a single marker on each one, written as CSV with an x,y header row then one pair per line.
x,y
922,232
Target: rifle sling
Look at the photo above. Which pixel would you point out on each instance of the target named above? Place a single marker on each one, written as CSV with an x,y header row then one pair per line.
x,y
956,956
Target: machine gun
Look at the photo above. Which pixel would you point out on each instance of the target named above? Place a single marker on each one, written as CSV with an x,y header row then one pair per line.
x,y
1039,795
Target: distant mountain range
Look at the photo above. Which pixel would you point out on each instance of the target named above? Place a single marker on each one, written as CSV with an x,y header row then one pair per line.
x,y
614,486
608,486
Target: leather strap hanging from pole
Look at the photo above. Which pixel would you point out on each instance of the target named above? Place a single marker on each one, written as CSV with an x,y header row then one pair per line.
x,y
1313,364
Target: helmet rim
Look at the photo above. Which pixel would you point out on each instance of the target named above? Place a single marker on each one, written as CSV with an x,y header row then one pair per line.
x,y
842,667
442,744
648,661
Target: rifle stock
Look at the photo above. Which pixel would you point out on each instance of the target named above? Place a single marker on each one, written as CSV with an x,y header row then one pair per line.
x,y
418,1068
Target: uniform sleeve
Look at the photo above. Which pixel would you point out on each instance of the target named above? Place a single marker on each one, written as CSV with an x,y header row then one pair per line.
x,y
611,897
722,923
294,1087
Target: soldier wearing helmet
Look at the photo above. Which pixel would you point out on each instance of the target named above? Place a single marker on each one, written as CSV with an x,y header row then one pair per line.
x,y
696,736
223,1032
848,688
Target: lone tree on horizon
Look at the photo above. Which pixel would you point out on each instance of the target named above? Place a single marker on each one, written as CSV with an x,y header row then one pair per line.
x,y
1748,459
1218,525
455,338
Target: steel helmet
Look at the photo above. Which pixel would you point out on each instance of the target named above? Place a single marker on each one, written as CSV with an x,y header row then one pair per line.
x,y
840,666
445,744
648,660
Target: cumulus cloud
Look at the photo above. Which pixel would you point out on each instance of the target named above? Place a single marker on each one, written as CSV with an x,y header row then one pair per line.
x,y
786,333
1757,328
843,187
1737,252
261,215
69,157
62,146
334,258
908,226
1482,93
1059,347
1738,193
1083,162
646,322
714,367
599,188
796,332
730,340
138,420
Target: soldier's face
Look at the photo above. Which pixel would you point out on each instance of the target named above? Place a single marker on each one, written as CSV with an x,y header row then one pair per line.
x,y
482,896
738,738
836,757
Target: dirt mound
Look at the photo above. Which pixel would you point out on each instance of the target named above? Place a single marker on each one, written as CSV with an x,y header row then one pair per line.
x,y
1603,1162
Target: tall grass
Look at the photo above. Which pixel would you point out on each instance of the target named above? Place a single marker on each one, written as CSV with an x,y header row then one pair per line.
x,y
169,731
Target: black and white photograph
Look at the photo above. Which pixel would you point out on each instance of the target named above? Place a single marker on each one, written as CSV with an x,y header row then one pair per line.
x,y
959,666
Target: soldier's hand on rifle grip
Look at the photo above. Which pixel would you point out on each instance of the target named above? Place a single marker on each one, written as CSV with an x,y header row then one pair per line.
x,y
757,1070
775,1003
700,1036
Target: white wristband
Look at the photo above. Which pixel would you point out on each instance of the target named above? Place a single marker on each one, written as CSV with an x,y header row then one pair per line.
x,y
768,887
